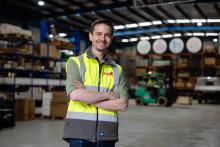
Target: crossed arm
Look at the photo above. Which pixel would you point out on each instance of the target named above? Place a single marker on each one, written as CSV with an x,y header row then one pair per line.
x,y
109,101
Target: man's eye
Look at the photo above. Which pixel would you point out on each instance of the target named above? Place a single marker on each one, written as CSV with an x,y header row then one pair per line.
x,y
108,35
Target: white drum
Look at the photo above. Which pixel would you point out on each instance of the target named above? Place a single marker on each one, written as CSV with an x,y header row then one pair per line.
x,y
194,44
159,46
143,47
176,45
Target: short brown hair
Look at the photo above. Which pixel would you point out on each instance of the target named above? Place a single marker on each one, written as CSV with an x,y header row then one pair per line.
x,y
100,21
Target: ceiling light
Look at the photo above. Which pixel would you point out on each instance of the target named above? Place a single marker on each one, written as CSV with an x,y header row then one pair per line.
x,y
109,10
40,3
50,35
213,20
188,34
198,20
78,15
171,21
124,40
182,21
142,24
177,35
64,17
156,22
198,34
211,34
167,36
133,25
119,27
215,40
144,38
93,13
155,37
67,52
133,39
199,24
62,34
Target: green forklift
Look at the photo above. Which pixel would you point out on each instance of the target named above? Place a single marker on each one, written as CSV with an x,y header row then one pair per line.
x,y
154,88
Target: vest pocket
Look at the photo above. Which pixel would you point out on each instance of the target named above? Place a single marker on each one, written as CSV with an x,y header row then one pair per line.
x,y
107,130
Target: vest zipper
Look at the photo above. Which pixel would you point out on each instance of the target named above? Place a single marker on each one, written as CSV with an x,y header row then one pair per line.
x,y
97,109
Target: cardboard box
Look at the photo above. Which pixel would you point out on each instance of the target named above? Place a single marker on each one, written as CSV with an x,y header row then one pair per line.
x,y
184,100
43,50
190,84
180,83
58,109
25,109
59,96
210,61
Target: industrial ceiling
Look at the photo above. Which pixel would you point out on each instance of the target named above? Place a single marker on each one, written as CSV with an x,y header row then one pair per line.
x,y
158,17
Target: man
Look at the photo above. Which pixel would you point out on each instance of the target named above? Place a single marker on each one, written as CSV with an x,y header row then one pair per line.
x,y
96,88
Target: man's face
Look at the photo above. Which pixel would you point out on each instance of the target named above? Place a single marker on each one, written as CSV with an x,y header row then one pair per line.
x,y
101,37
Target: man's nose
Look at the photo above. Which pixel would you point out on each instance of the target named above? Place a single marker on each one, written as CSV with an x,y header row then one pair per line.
x,y
102,37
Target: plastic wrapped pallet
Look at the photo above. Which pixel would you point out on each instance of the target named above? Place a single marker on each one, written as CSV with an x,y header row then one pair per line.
x,y
46,103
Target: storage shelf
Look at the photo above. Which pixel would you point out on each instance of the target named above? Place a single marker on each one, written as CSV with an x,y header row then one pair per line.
x,y
28,56
27,71
36,81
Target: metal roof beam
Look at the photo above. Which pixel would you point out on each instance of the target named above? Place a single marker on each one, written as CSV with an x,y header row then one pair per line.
x,y
199,10
110,18
139,15
182,11
123,16
95,2
165,12
81,11
217,8
28,6
163,29
152,13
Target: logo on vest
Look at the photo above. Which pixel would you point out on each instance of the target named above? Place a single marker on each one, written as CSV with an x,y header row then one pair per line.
x,y
107,73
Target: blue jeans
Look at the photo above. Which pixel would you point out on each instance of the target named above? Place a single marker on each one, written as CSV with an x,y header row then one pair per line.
x,y
84,143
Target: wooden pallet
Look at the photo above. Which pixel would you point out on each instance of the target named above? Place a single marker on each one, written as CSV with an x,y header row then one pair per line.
x,y
15,36
57,117
61,44
52,117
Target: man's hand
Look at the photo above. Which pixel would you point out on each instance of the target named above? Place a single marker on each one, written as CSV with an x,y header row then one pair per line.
x,y
113,96
78,85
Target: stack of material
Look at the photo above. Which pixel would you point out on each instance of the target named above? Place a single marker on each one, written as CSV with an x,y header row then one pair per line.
x,y
12,29
25,109
46,104
59,104
184,100
210,61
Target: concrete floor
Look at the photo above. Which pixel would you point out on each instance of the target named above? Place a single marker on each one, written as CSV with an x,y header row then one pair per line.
x,y
140,126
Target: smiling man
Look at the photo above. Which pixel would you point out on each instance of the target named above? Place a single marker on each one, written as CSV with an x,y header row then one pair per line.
x,y
97,91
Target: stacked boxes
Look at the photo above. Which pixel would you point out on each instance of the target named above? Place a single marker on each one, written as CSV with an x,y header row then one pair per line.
x,y
12,29
59,104
25,109
48,51
210,61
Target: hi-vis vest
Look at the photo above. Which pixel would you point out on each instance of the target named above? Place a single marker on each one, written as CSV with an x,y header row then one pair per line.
x,y
85,121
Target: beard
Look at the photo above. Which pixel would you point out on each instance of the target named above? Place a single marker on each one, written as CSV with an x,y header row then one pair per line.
x,y
102,45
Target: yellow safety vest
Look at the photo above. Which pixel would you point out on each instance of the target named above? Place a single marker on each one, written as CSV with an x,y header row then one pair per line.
x,y
86,121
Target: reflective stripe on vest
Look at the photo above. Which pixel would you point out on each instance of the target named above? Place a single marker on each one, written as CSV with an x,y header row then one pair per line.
x,y
116,75
91,116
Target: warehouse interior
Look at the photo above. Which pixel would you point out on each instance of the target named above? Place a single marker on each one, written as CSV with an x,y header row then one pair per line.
x,y
169,51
